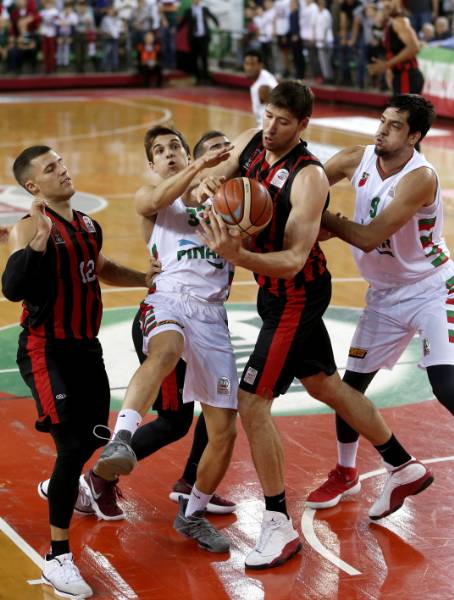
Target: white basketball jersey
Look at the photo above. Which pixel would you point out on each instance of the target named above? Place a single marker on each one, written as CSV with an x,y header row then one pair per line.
x,y
417,248
264,78
188,266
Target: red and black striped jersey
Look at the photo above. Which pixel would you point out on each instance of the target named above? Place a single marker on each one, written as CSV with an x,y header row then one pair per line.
x,y
64,300
393,45
278,179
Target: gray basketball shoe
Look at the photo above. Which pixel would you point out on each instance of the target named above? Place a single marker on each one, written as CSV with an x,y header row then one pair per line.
x,y
117,458
200,529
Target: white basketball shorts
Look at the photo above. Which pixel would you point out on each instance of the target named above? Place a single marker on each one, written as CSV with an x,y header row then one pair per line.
x,y
211,374
392,317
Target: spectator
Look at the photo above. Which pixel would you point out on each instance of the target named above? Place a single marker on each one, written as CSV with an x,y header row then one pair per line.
x,y
4,31
124,10
22,49
24,12
141,22
48,30
100,10
111,28
84,27
149,65
421,11
364,39
347,11
197,17
264,25
281,29
168,31
427,34
441,29
66,23
296,44
308,14
323,27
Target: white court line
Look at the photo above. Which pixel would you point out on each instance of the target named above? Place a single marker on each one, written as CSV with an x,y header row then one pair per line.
x,y
21,543
121,589
307,523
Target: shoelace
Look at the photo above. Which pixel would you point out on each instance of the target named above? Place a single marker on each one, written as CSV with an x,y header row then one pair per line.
x,y
267,530
102,437
199,524
69,570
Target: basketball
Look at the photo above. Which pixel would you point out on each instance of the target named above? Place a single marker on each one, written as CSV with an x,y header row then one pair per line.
x,y
244,204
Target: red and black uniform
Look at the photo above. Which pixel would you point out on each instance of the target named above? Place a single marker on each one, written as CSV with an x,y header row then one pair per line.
x,y
293,341
59,355
407,78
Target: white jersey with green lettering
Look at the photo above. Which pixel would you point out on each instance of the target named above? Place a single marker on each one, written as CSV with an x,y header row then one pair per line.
x,y
188,265
417,249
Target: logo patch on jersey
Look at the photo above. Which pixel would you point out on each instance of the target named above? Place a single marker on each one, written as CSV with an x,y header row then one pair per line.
x,y
426,347
56,235
224,386
250,375
280,178
363,179
89,224
357,352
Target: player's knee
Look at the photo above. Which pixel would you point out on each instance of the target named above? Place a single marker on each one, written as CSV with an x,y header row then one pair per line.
x,y
222,440
254,411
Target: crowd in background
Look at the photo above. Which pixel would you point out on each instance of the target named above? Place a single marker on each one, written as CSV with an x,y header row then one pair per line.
x,y
329,41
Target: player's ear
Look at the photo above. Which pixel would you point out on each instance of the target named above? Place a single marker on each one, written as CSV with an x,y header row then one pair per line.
x,y
414,138
304,123
31,187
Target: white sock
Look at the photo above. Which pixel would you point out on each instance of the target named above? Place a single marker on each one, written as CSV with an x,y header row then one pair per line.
x,y
346,454
128,419
197,501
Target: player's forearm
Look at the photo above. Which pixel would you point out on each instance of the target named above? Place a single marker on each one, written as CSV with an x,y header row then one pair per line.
x,y
151,200
353,233
20,271
284,264
115,274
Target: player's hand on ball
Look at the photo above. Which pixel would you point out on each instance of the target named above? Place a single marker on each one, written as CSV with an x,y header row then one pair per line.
x,y
217,236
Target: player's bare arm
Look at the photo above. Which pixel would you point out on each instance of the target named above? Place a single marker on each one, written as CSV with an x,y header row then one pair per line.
x,y
343,164
417,189
151,198
308,196
225,170
406,33
34,231
115,274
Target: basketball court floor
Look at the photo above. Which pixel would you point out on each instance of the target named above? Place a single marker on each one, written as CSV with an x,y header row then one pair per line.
x,y
409,555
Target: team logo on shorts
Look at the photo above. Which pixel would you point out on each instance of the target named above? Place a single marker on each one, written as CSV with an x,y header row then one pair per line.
x,y
250,375
357,352
224,386
364,178
426,347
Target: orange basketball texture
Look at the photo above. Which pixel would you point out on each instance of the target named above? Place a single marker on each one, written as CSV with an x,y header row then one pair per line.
x,y
244,203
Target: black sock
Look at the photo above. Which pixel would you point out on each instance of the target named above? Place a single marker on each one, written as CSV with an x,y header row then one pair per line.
x,y
276,503
57,548
198,446
393,453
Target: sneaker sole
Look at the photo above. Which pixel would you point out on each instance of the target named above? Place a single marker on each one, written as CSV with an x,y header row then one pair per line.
x,y
290,550
215,509
426,480
82,513
65,594
335,501
112,466
96,510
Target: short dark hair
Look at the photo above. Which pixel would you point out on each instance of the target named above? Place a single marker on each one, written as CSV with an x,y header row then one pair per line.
x,y
22,162
421,112
209,135
253,52
294,96
158,130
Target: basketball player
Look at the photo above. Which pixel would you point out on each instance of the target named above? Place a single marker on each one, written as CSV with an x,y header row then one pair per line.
x,y
263,83
183,316
295,290
397,241
401,46
211,140
53,268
